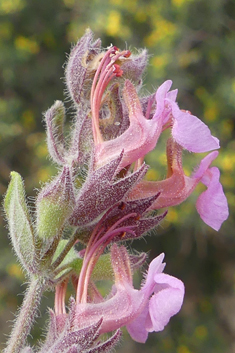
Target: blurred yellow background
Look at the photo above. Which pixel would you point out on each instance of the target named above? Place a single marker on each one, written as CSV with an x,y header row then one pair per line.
x,y
191,42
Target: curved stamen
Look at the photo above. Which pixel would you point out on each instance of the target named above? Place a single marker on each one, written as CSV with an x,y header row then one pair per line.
x,y
60,292
94,249
97,251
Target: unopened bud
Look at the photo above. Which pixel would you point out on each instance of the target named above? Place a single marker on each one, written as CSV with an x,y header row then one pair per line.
x,y
55,205
78,68
133,67
54,118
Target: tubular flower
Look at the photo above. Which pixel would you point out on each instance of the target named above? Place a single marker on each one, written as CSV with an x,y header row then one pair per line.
x,y
141,135
146,310
166,295
139,138
211,205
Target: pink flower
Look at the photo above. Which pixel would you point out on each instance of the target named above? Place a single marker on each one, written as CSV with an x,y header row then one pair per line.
x,y
139,138
157,301
143,132
142,135
165,302
211,205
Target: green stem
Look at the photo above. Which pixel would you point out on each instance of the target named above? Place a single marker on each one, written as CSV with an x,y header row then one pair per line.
x,y
25,317
64,252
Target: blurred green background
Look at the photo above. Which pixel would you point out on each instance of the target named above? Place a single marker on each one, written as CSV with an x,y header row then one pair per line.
x,y
191,42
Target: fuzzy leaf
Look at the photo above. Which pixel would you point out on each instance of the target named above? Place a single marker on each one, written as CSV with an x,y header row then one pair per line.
x,y
19,221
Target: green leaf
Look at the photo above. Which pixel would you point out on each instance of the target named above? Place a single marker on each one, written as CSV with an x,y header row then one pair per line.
x,y
20,225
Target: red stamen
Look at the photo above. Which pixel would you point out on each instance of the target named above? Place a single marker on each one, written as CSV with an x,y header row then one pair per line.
x,y
128,54
117,70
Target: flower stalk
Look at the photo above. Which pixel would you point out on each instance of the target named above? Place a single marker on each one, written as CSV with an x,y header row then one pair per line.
x,y
100,198
27,314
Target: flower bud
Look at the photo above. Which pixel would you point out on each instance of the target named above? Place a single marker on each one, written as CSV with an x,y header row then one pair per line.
x,y
54,118
55,204
133,67
80,68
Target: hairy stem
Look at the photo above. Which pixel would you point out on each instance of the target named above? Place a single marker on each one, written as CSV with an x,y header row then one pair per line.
x,y
26,316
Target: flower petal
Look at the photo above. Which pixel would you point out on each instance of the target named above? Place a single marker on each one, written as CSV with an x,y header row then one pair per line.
x,y
155,267
137,328
212,204
204,165
162,111
191,133
165,303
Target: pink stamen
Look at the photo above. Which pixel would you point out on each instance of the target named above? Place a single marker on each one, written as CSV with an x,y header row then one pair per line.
x,y
94,249
60,292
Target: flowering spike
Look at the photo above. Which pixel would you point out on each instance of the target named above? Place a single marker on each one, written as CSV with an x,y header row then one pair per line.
x,y
112,131
20,224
